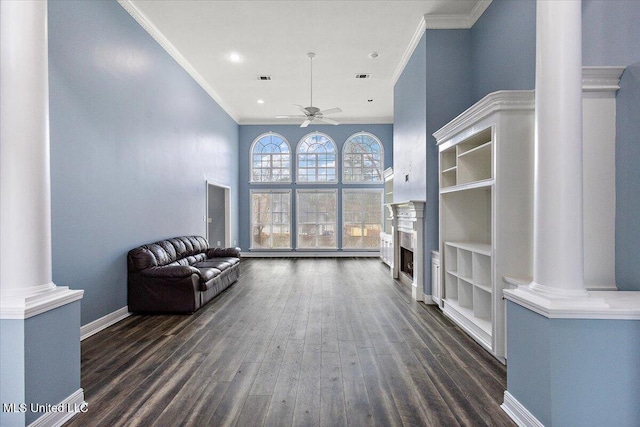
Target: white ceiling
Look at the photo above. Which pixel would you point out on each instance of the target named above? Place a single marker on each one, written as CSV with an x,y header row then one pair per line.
x,y
274,37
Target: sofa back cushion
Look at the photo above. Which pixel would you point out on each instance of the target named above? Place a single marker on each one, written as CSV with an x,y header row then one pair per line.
x,y
182,250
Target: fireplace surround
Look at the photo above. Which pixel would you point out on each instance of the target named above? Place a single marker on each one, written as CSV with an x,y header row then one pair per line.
x,y
408,245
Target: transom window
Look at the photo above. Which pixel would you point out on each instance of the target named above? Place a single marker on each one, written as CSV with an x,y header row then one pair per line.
x,y
316,159
270,159
362,159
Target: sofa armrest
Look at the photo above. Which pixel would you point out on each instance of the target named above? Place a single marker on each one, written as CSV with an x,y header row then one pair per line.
x,y
223,252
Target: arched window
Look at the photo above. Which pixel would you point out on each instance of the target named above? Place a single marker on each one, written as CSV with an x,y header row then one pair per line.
x,y
316,159
362,159
270,159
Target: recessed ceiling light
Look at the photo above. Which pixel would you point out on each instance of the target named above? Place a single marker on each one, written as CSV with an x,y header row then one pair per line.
x,y
235,57
260,101
373,55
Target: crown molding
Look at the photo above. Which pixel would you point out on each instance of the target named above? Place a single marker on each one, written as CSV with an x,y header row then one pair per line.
x,y
162,40
411,47
438,22
495,101
451,22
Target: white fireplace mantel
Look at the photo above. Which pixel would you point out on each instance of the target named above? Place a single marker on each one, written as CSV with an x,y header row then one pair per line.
x,y
407,217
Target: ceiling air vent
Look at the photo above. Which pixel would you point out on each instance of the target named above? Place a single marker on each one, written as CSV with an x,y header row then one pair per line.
x,y
265,78
363,76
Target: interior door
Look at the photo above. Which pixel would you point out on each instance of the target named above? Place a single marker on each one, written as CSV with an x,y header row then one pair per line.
x,y
218,215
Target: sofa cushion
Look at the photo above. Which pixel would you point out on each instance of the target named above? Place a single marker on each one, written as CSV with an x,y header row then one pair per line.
x,y
230,260
209,274
213,263
170,271
179,247
223,252
141,258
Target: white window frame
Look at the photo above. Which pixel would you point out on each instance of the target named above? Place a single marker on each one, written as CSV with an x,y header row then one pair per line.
x,y
335,224
344,223
380,167
253,222
297,161
251,160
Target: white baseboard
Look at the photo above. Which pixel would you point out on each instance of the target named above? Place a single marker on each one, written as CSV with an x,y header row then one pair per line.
x,y
104,322
518,413
428,299
68,408
311,254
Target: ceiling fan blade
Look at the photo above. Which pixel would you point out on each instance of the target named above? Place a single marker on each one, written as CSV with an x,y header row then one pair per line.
x,y
328,121
305,123
301,108
331,111
290,116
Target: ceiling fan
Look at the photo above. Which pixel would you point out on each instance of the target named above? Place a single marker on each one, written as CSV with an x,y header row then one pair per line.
x,y
312,113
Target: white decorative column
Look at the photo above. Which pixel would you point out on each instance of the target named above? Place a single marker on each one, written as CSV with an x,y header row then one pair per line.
x,y
39,321
558,201
26,286
557,331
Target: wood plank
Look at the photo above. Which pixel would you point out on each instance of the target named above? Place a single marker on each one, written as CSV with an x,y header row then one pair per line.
x,y
307,408
332,404
253,412
234,397
358,408
283,399
383,407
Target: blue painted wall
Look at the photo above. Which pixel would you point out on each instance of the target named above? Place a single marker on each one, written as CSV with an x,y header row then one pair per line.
x,y
611,36
504,48
449,92
39,361
409,128
293,134
133,140
628,179
574,371
12,375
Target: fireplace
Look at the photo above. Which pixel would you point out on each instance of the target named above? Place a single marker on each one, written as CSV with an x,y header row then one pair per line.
x,y
408,246
406,262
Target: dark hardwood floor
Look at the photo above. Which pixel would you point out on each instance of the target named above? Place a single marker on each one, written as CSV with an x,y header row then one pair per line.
x,y
330,342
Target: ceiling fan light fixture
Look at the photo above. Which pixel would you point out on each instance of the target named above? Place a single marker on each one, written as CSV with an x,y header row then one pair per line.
x,y
312,113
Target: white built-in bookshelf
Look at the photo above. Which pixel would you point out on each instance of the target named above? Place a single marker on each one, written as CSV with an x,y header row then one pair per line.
x,y
486,203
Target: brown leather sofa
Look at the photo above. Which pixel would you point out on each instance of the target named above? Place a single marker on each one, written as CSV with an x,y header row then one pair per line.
x,y
178,275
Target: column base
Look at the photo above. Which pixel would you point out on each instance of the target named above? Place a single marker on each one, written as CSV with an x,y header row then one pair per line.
x,y
36,300
553,292
569,305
